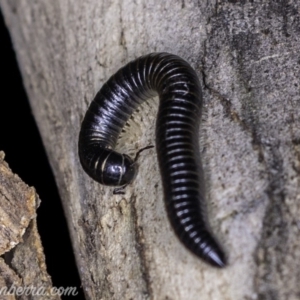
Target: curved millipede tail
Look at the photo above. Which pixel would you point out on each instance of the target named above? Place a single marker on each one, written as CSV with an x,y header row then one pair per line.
x,y
178,120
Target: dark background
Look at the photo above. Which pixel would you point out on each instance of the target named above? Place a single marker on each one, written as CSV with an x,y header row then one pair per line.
x,y
25,154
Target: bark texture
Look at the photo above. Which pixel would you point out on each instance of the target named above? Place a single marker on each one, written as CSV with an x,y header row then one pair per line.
x,y
23,272
246,54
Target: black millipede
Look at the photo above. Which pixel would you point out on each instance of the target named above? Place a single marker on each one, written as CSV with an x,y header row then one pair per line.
x,y
178,119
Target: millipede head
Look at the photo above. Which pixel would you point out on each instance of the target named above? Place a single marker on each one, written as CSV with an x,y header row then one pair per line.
x,y
130,170
118,169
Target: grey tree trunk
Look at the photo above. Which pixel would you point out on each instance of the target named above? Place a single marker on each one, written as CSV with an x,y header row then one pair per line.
x,y
246,54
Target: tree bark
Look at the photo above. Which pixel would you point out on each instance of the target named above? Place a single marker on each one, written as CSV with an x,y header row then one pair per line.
x,y
247,57
23,273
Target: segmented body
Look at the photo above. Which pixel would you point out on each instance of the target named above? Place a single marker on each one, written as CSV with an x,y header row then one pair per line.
x,y
178,120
